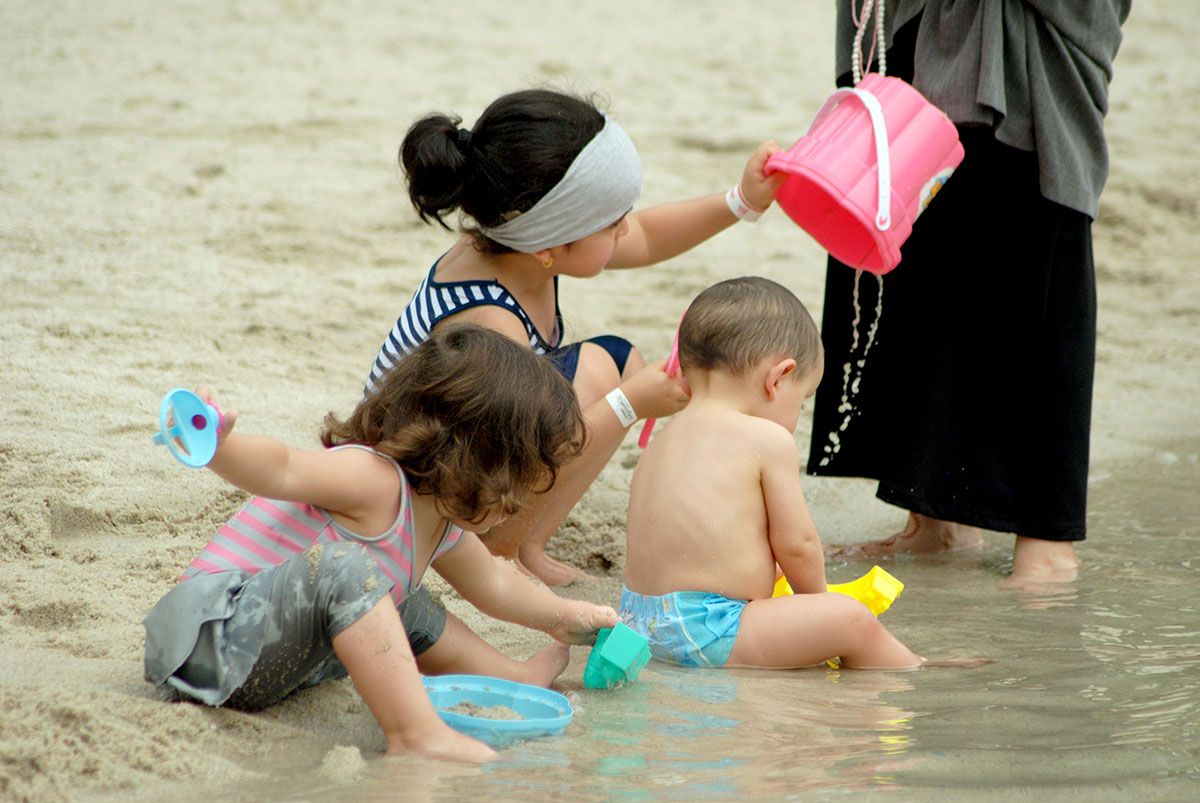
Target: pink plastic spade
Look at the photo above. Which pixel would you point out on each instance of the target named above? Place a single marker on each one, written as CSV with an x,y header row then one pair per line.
x,y
672,368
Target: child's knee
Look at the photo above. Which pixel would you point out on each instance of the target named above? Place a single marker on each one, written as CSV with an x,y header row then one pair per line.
x,y
344,562
633,363
855,618
348,582
423,619
596,375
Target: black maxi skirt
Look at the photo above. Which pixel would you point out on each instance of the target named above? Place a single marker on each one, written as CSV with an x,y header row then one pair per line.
x,y
974,402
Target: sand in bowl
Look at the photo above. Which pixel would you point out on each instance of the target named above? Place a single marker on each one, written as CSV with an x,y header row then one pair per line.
x,y
497,712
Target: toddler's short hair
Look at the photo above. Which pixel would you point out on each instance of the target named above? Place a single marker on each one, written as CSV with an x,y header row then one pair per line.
x,y
736,324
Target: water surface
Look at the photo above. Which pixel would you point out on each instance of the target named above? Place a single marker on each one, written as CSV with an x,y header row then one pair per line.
x,y
1095,694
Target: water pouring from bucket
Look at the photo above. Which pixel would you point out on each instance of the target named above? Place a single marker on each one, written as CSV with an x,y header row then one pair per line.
x,y
874,157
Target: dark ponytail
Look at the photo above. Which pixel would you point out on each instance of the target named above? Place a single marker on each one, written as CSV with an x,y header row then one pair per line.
x,y
518,149
436,166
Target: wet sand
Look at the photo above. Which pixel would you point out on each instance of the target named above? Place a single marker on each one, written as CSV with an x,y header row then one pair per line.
x,y
193,195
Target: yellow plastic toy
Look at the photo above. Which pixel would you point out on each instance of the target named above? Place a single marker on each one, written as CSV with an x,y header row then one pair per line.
x,y
876,589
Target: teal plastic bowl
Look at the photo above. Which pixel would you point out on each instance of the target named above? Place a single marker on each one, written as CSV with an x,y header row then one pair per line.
x,y
543,712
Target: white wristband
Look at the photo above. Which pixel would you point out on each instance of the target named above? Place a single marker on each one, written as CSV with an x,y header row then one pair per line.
x,y
621,406
740,207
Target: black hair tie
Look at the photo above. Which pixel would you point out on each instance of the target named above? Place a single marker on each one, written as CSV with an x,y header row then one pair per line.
x,y
464,136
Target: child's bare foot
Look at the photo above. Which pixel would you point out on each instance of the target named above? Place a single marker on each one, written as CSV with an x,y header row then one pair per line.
x,y
922,535
545,665
540,669
547,569
957,663
443,743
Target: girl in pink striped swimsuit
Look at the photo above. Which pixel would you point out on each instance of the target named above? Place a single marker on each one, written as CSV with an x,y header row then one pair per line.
x,y
311,580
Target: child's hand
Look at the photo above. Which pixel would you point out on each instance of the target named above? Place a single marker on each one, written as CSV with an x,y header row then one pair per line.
x,y
758,188
580,621
228,417
653,394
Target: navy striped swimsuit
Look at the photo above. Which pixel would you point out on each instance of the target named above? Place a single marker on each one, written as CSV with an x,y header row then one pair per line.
x,y
436,300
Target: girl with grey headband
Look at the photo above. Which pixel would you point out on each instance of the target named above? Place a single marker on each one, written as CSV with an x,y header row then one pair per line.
x,y
545,184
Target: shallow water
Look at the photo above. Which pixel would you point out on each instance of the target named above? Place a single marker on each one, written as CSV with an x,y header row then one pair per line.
x,y
1095,694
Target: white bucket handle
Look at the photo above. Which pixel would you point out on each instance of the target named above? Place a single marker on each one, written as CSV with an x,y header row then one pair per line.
x,y
883,216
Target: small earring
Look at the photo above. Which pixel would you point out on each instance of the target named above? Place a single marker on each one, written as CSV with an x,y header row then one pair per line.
x,y
548,263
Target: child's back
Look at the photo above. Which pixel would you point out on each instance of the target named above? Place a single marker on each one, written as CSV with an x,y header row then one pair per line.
x,y
697,520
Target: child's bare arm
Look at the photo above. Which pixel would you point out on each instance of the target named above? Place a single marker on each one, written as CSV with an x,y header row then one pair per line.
x,y
346,481
377,655
666,230
497,588
790,527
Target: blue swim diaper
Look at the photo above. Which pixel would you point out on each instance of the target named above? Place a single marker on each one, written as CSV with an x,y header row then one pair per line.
x,y
690,628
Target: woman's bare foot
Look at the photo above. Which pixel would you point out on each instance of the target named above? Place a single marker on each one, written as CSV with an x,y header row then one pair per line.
x,y
545,568
923,535
1037,561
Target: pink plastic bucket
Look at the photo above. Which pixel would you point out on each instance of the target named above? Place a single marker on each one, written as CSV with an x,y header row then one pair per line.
x,y
872,160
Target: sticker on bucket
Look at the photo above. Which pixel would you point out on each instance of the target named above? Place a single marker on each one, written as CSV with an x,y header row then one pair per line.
x,y
932,188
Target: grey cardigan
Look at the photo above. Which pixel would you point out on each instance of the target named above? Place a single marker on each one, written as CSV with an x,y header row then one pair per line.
x,y
1037,71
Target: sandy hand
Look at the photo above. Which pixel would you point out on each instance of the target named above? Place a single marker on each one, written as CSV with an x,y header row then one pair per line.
x,y
228,417
445,744
580,623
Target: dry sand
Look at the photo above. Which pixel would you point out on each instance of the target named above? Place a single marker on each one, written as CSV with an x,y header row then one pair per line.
x,y
193,193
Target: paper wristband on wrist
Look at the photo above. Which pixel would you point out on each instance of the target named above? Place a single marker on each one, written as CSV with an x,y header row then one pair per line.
x,y
621,406
740,207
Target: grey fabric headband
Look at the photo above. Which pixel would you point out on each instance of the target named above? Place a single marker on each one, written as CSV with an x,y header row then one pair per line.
x,y
599,187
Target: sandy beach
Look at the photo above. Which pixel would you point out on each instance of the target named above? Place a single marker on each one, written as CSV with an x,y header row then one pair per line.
x,y
197,194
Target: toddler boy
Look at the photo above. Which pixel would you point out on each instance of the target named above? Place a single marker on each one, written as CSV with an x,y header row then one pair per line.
x,y
716,503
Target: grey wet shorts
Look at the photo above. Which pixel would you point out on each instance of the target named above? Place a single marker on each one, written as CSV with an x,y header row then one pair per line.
x,y
248,641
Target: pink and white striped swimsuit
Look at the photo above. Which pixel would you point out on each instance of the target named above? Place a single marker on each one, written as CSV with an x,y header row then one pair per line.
x,y
269,532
